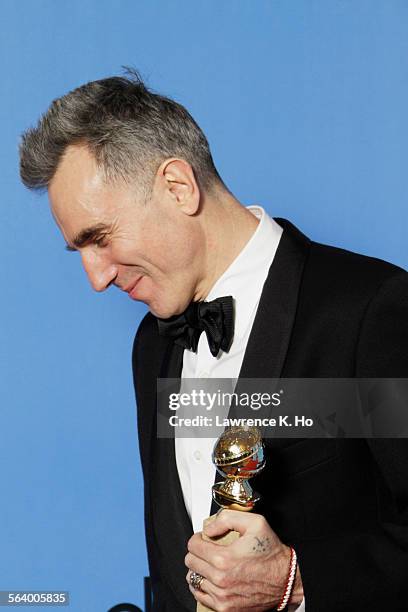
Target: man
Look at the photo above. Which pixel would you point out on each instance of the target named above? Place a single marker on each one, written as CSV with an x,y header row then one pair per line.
x,y
134,189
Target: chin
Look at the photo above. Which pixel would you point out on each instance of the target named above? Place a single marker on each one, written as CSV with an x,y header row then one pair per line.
x,y
165,312
162,313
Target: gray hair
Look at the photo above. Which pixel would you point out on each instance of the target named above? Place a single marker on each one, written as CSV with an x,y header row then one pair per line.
x,y
129,129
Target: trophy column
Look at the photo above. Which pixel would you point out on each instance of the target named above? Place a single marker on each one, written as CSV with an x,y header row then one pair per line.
x,y
238,455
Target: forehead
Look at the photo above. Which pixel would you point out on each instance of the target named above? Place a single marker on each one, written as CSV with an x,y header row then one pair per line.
x,y
79,194
77,187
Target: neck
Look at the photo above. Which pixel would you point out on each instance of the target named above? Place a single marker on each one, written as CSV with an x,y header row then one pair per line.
x,y
227,226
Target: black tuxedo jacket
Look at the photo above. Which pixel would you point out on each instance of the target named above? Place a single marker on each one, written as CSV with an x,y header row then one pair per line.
x,y
342,503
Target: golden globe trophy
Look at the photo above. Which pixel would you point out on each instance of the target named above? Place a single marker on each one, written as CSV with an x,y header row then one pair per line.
x,y
238,455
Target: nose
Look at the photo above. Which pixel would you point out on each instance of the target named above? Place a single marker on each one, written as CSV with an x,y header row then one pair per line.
x,y
100,271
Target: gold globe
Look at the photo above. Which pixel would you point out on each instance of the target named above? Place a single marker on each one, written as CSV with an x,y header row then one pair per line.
x,y
238,455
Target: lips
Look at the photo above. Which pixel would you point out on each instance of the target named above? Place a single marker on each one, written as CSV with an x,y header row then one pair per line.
x,y
133,288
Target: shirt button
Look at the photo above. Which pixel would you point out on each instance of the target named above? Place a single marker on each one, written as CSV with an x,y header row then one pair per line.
x,y
197,455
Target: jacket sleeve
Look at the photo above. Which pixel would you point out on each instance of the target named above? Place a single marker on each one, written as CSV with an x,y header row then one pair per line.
x,y
367,570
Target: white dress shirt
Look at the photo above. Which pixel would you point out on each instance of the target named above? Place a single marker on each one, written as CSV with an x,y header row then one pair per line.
x,y
244,280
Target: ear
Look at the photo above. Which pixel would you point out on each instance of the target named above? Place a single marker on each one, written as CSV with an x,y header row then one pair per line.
x,y
177,180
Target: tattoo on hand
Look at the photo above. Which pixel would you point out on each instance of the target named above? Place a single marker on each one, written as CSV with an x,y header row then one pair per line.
x,y
261,544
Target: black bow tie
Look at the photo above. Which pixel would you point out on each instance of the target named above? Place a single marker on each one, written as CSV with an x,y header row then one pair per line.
x,y
216,318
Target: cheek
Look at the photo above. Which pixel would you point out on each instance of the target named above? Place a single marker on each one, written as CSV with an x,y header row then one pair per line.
x,y
173,251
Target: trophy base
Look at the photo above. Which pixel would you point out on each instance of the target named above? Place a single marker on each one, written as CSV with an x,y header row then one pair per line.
x,y
223,540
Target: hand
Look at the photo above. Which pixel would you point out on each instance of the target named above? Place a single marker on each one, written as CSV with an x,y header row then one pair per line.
x,y
249,574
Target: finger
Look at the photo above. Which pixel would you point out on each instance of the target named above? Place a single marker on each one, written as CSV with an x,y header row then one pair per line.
x,y
205,585
205,550
204,598
202,567
233,520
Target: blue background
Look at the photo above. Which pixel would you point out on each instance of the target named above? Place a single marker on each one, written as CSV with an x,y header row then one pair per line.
x,y
304,104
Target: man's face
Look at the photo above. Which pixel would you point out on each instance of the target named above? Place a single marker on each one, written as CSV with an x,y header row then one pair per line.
x,y
153,251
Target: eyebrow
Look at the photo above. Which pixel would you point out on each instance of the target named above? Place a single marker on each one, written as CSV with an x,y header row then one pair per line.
x,y
87,235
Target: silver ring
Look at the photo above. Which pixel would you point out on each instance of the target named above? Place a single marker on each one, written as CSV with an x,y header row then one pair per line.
x,y
196,580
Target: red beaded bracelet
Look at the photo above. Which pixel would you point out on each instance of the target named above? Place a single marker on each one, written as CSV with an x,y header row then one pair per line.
x,y
290,581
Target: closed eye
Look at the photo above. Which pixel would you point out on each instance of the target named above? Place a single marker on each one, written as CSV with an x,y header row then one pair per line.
x,y
95,234
100,242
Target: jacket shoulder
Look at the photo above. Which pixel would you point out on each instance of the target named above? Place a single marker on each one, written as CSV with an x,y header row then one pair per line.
x,y
335,275
334,261
344,300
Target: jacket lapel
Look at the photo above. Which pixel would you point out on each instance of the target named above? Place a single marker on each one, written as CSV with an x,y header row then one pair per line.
x,y
270,335
271,331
